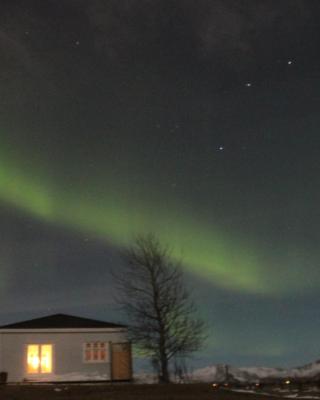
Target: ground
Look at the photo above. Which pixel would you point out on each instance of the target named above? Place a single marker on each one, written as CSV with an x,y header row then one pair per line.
x,y
123,392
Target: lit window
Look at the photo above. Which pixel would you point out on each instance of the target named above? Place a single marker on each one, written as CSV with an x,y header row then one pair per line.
x,y
39,358
95,352
46,359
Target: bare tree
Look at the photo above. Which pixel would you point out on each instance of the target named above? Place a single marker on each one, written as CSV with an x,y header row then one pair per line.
x,y
161,313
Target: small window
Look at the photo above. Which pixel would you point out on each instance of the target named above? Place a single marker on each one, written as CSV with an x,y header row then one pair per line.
x,y
95,352
39,358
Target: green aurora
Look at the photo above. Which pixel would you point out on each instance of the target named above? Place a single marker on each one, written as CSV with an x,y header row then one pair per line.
x,y
119,213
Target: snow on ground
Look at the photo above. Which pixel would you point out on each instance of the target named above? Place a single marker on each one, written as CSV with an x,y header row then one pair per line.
x,y
75,377
297,396
145,377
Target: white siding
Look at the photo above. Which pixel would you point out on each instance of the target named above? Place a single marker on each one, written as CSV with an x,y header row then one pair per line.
x,y
67,354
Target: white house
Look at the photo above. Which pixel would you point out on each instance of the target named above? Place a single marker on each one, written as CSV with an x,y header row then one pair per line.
x,y
65,348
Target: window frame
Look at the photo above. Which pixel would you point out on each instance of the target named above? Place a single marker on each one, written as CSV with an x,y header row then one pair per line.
x,y
39,372
106,348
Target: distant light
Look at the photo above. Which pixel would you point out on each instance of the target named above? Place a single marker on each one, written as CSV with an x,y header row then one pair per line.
x,y
257,384
221,148
214,385
289,62
248,84
287,382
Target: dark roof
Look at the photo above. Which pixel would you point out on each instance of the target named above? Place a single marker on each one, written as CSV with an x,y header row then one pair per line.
x,y
61,321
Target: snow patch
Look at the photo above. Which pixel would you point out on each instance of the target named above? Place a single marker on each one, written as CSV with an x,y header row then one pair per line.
x,y
75,377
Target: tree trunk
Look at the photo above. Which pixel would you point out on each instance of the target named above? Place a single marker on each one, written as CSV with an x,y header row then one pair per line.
x,y
164,377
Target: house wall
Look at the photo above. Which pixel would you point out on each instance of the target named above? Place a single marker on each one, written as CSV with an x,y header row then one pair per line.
x,y
67,355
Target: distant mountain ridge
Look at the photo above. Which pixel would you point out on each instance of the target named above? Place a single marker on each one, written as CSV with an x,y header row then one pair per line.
x,y
222,373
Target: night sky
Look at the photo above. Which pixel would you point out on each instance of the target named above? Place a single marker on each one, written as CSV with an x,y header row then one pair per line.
x,y
197,120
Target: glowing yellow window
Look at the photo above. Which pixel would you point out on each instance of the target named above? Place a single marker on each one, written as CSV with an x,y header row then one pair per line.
x,y
39,358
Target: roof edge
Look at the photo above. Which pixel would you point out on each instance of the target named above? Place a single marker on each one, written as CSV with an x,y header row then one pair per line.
x,y
63,330
61,321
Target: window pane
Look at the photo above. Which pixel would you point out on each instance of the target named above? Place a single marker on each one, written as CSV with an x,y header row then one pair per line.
x,y
46,358
102,355
33,359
